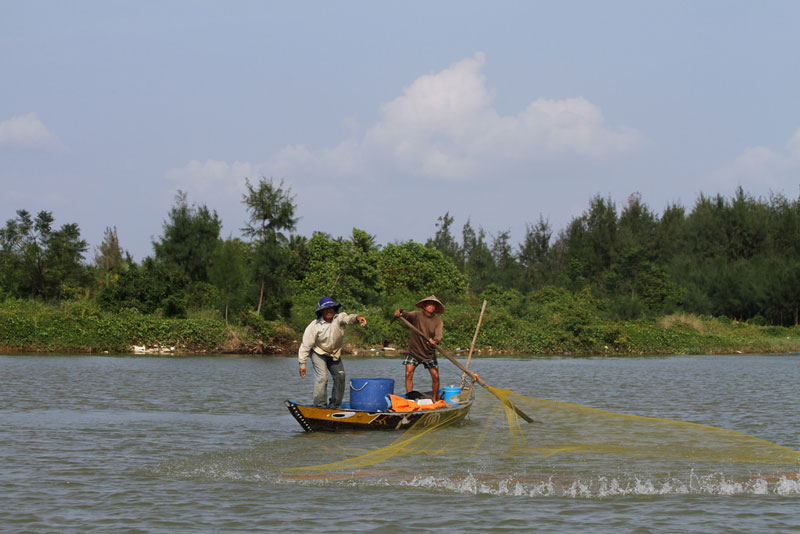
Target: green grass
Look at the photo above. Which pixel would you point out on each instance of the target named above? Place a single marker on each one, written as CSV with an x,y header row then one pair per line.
x,y
29,326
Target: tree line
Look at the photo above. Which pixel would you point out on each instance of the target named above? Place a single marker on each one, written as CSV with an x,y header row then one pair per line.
x,y
737,257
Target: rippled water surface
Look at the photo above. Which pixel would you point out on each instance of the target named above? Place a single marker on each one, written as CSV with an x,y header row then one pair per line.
x,y
199,444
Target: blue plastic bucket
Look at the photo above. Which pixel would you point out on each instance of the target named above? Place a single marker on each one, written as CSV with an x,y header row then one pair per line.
x,y
451,394
370,393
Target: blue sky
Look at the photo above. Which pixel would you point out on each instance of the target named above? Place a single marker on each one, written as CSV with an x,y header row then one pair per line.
x,y
385,115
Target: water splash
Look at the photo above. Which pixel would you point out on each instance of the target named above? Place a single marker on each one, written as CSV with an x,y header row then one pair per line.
x,y
598,487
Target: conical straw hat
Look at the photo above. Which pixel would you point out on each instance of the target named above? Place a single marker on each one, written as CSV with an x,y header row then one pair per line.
x,y
432,298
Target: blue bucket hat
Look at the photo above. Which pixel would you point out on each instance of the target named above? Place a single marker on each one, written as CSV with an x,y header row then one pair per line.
x,y
326,302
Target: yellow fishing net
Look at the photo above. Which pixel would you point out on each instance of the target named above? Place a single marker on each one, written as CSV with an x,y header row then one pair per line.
x,y
575,428
563,429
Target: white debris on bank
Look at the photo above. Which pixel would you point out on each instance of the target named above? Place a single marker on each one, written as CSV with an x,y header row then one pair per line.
x,y
156,349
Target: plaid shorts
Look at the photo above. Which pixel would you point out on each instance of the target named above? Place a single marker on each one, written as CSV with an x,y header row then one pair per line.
x,y
428,364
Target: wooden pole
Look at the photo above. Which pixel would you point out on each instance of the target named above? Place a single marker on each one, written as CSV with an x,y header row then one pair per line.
x,y
260,297
472,347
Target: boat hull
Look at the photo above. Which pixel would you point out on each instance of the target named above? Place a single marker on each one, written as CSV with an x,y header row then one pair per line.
x,y
314,419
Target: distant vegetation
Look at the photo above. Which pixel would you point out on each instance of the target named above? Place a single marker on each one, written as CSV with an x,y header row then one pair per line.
x,y
722,276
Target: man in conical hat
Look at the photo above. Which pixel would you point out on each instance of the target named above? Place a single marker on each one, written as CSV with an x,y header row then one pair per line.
x,y
421,348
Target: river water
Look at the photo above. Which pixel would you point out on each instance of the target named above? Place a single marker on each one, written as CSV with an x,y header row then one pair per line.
x,y
199,444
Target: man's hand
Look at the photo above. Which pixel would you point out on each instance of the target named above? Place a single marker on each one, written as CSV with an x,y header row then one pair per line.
x,y
302,372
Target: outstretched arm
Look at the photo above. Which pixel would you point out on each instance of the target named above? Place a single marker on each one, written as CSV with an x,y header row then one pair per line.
x,y
304,351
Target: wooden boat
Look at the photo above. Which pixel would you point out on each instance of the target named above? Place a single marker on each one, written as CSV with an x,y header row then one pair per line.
x,y
344,418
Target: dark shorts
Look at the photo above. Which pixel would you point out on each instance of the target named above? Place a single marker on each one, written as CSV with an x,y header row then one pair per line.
x,y
428,364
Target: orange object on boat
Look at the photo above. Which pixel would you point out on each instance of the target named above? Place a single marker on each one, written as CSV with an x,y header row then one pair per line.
x,y
401,404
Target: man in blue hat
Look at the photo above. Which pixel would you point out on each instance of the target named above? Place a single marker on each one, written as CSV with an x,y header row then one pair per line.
x,y
322,340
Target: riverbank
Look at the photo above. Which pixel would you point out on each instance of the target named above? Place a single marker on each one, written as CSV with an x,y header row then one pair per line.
x,y
37,328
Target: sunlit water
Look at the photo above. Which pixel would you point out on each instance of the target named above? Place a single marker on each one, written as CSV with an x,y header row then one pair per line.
x,y
200,444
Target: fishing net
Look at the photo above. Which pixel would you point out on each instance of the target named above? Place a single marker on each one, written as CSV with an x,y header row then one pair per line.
x,y
566,430
566,427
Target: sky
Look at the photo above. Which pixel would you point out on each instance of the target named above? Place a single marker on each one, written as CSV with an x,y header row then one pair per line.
x,y
384,116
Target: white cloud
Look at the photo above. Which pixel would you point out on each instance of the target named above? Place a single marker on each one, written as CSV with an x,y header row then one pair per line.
x,y
572,127
442,127
456,131
27,132
445,102
760,168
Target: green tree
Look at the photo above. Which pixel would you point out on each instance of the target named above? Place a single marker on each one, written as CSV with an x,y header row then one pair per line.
x,y
507,272
110,256
592,238
784,226
669,234
191,235
12,238
298,256
705,235
534,254
345,268
410,269
478,261
270,209
39,261
637,228
568,316
746,221
644,281
152,288
444,242
230,273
